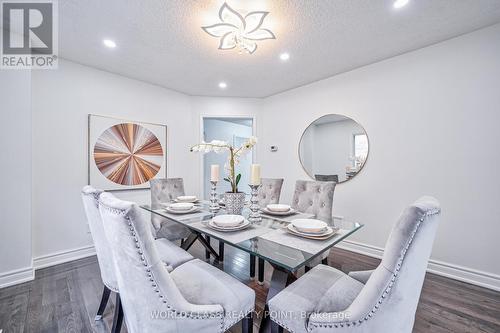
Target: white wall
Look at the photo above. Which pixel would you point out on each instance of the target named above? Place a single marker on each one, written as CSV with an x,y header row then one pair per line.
x,y
432,119
61,101
15,168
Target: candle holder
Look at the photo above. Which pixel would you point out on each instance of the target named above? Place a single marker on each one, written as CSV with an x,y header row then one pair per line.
x,y
214,203
254,205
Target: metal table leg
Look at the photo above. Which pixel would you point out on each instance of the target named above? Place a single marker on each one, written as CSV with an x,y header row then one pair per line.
x,y
279,280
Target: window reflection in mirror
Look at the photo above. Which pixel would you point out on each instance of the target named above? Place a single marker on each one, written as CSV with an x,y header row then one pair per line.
x,y
333,148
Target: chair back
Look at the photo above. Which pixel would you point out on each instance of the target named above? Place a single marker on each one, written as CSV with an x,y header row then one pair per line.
x,y
389,299
90,198
270,191
146,288
314,197
327,178
164,190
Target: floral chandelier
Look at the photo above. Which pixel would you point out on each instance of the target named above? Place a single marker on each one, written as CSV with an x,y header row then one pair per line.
x,y
238,31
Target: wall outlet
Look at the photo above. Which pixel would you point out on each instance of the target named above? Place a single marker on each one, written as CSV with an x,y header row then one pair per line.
x,y
274,148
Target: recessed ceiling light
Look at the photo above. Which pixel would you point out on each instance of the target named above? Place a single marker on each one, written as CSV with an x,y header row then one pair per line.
x,y
400,3
284,56
222,85
109,43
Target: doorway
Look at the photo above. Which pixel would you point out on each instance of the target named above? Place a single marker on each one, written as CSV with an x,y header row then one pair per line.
x,y
235,131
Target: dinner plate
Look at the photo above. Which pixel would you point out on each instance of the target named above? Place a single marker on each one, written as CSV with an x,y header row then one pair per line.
x,y
181,206
279,208
174,211
242,226
309,225
275,213
186,198
228,220
327,234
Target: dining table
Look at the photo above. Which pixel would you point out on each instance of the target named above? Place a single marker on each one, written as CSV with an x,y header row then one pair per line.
x,y
267,239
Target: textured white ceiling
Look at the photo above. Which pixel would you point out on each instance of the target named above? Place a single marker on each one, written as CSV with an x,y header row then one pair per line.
x,y
160,41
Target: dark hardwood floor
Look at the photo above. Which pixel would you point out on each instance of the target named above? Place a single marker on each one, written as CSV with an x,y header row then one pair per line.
x,y
65,298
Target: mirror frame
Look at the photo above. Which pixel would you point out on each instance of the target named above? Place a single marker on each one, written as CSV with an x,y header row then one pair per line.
x,y
311,124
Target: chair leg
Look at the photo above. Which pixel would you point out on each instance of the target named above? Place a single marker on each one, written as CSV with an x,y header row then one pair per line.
x,y
118,318
104,302
261,271
325,261
207,253
247,324
221,251
252,266
276,328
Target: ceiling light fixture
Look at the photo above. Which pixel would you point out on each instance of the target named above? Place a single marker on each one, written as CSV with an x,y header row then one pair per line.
x,y
238,31
222,85
284,56
109,43
400,3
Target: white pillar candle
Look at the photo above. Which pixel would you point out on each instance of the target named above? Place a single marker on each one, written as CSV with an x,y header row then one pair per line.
x,y
214,173
255,174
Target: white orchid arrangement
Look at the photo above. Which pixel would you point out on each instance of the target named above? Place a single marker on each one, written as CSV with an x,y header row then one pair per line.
x,y
235,153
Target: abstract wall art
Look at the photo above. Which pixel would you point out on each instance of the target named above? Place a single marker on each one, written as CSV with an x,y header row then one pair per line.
x,y
125,154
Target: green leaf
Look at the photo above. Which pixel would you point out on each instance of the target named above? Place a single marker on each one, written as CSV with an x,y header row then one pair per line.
x,y
227,179
238,177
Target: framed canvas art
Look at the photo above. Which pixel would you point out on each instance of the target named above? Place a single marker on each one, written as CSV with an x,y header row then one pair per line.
x,y
125,154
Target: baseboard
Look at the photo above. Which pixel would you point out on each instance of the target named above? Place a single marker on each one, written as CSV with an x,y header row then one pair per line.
x,y
456,272
16,276
63,256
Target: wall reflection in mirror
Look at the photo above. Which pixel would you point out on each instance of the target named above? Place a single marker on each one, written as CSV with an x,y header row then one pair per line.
x,y
333,148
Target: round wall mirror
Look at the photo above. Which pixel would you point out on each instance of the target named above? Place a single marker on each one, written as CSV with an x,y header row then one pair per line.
x,y
333,148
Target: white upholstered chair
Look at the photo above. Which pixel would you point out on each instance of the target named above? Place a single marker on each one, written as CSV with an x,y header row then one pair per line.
x,y
383,300
194,297
171,255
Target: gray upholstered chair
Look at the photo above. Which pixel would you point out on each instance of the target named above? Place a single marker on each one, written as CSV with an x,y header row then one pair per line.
x,y
165,190
171,255
270,191
327,178
315,197
194,297
383,300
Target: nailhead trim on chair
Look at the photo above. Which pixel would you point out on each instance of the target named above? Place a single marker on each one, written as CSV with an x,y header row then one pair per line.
x,y
389,287
149,274
96,195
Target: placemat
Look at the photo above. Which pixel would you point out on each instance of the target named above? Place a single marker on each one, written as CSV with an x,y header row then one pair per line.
x,y
183,217
281,236
288,218
233,236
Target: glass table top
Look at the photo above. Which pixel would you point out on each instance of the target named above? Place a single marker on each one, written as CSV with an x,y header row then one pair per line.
x,y
267,239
